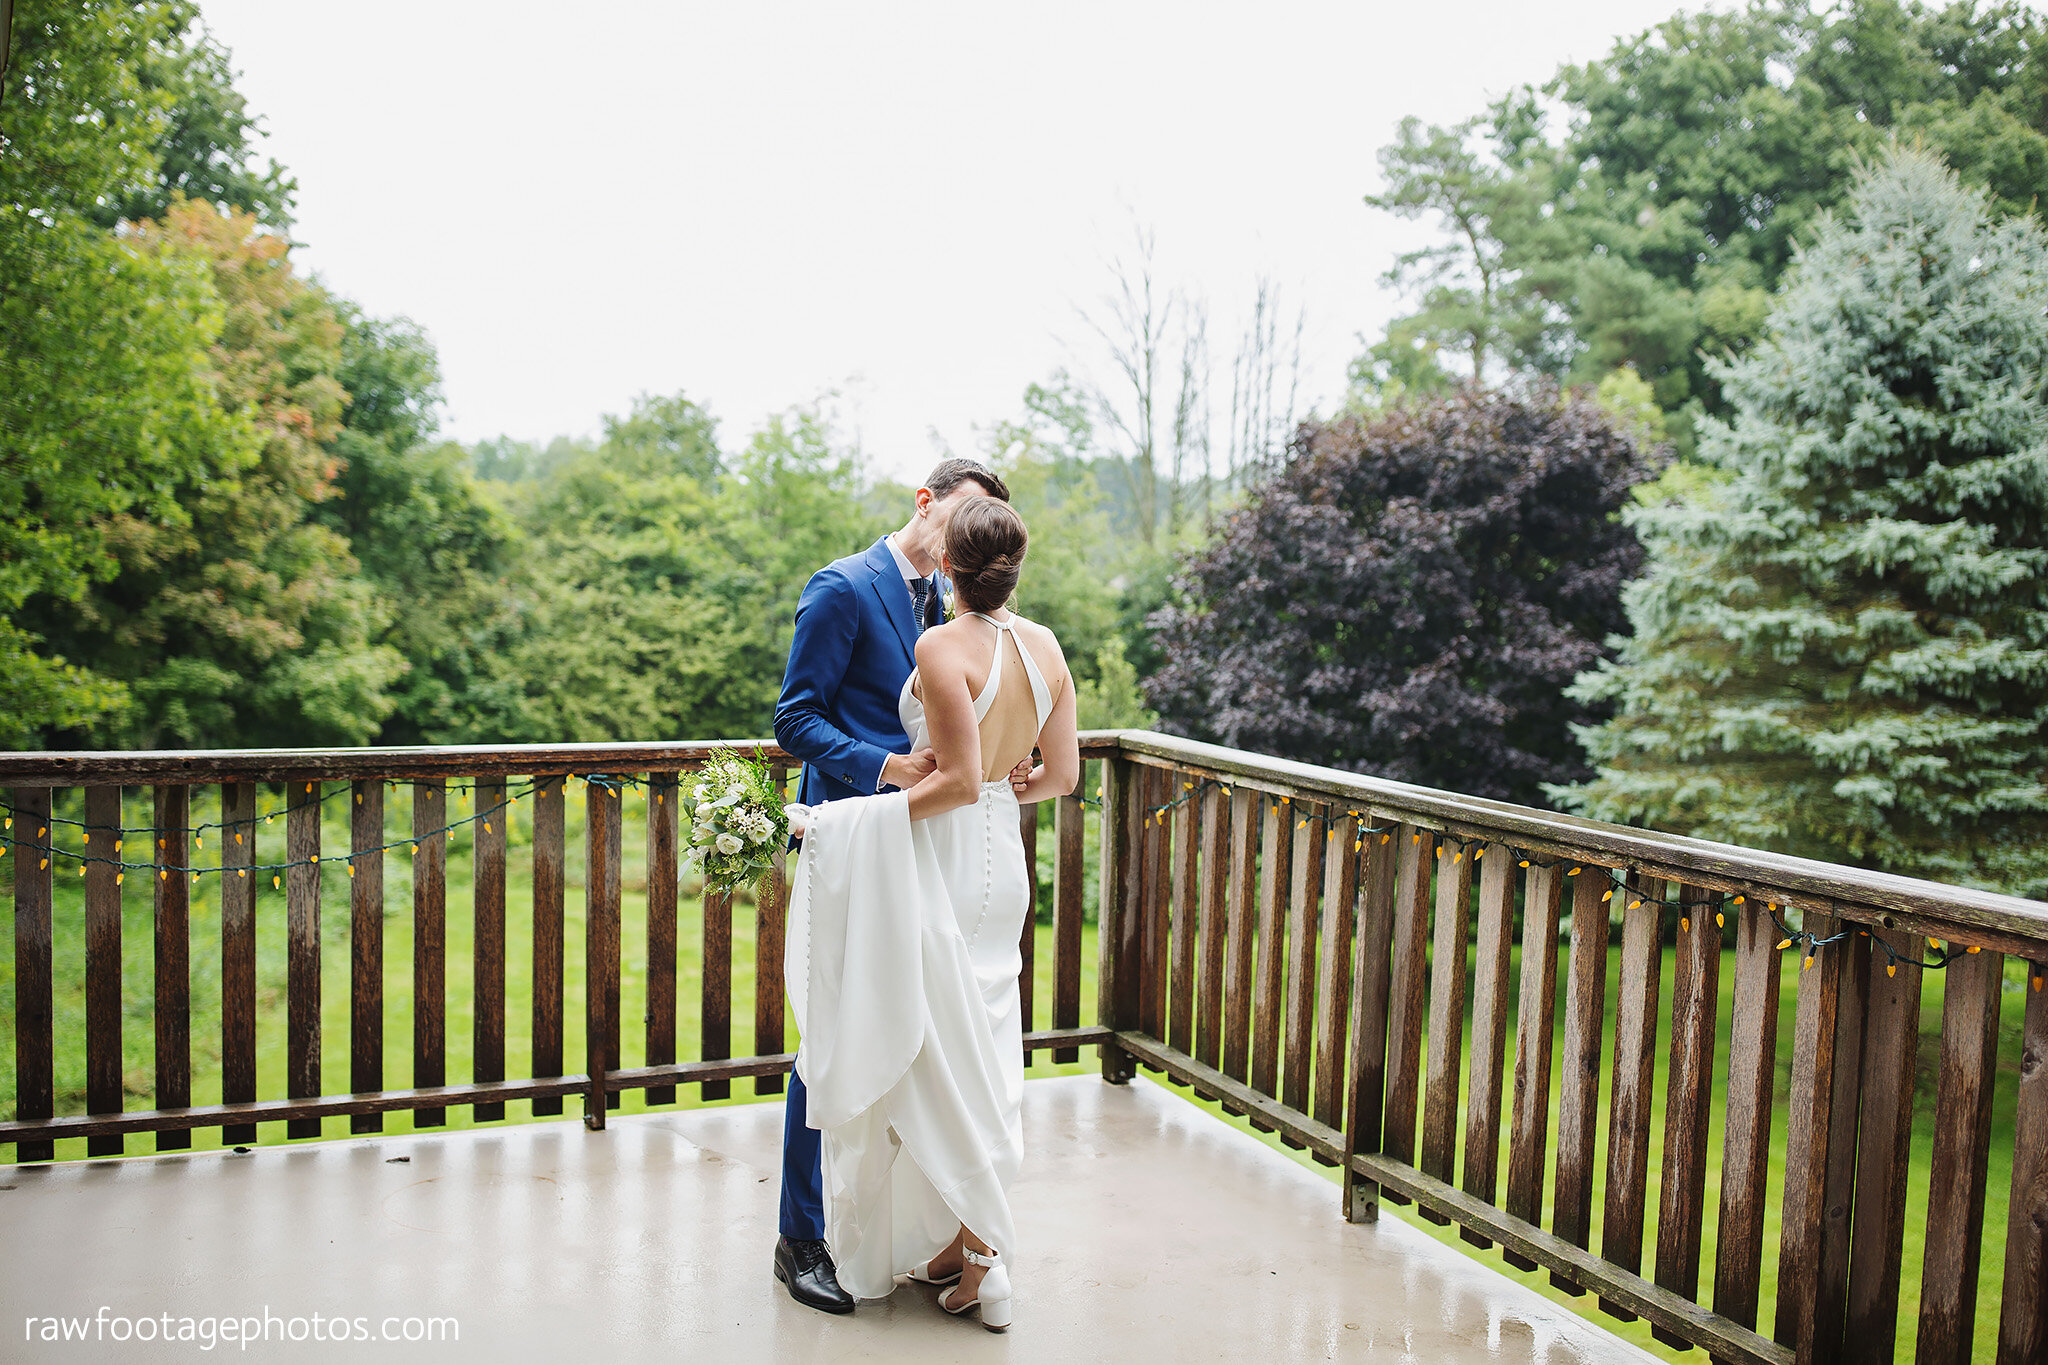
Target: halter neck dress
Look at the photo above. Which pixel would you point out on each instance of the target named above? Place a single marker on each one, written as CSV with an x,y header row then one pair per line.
x,y
902,964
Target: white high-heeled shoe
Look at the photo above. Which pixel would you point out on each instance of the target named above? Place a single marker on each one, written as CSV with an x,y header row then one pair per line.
x,y
993,1296
922,1273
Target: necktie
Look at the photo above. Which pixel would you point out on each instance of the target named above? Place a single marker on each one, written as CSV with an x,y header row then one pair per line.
x,y
920,593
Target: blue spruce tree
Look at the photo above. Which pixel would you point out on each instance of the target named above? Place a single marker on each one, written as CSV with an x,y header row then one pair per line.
x,y
1841,646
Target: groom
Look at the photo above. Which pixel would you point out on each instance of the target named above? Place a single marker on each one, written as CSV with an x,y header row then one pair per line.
x,y
857,625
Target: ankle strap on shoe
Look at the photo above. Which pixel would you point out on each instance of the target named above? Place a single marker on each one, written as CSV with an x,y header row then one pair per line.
x,y
994,1258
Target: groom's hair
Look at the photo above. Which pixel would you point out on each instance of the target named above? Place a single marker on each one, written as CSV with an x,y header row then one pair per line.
x,y
950,474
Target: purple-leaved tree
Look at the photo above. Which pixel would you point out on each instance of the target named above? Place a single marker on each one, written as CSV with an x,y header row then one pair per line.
x,y
1411,594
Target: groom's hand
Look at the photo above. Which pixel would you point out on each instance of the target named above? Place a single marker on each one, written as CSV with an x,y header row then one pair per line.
x,y
1020,776
907,770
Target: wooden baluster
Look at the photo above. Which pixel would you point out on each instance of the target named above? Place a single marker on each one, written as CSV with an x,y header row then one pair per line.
x,y
771,912
664,796
1884,1138
1276,875
1746,1139
1489,1028
1962,1141
1688,1099
1240,912
2023,1310
173,958
715,1012
1157,900
1578,1094
549,850
35,1038
1333,988
429,943
1823,1047
1215,894
237,954
1068,870
487,940
602,854
103,846
1535,1026
302,949
1027,939
1180,1030
1304,934
1405,1002
1119,933
366,949
1446,1014
1841,1186
1372,983
1635,1061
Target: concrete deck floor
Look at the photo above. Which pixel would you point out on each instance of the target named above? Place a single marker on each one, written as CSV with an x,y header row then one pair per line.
x,y
1152,1230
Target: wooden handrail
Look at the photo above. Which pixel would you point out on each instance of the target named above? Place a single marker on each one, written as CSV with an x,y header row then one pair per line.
x,y
1702,862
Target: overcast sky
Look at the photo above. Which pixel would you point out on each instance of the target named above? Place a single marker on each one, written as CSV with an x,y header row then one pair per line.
x,y
757,203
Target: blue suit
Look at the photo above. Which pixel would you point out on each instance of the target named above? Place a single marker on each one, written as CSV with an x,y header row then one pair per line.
x,y
855,643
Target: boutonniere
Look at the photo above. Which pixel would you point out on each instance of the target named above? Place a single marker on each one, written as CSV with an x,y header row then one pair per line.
x,y
946,607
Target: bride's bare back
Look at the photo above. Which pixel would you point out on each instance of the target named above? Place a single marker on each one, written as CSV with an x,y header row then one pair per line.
x,y
955,662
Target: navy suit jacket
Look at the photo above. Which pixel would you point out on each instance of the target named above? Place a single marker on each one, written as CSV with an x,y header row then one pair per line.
x,y
855,643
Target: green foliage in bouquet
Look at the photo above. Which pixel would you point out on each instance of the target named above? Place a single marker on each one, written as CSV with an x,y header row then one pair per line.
x,y
738,828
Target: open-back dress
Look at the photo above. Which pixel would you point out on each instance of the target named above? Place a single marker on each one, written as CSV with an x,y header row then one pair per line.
x,y
902,963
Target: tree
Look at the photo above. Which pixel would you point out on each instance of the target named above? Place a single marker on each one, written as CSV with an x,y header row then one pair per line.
x,y
106,395
206,146
1841,648
427,538
243,620
1462,284
1649,226
1412,593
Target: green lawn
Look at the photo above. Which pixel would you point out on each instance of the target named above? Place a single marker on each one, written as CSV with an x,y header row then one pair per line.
x,y
138,1044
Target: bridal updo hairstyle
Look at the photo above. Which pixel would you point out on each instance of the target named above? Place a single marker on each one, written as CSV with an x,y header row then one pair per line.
x,y
985,541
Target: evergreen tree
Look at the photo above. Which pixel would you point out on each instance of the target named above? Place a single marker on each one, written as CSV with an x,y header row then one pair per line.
x,y
1841,650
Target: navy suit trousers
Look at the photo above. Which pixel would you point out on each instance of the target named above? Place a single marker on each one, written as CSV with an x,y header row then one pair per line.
x,y
803,1193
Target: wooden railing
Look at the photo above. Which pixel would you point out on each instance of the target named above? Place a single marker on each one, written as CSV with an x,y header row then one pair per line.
x,y
1336,958
1299,942
115,849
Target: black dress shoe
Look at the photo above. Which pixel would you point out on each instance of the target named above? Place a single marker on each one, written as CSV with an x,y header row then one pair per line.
x,y
805,1265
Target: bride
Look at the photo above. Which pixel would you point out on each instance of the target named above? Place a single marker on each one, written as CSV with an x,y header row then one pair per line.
x,y
902,957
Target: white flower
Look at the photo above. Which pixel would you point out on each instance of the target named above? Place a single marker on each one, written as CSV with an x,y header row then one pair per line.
x,y
729,844
758,835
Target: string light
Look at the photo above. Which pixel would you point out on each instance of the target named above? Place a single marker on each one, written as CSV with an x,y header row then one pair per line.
x,y
1808,943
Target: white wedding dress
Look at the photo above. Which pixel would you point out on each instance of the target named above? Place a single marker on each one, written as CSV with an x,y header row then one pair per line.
x,y
901,965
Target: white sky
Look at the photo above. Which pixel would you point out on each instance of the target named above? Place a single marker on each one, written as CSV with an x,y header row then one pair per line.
x,y
759,202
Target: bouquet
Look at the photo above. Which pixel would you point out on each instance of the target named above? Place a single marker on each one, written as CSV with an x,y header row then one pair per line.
x,y
738,827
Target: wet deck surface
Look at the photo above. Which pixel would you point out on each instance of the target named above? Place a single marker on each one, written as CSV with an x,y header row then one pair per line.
x,y
1152,1231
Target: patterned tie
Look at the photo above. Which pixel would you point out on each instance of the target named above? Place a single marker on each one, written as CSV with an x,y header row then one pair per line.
x,y
920,591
